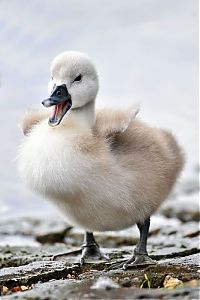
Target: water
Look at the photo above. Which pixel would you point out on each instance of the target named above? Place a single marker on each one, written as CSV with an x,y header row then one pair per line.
x,y
145,52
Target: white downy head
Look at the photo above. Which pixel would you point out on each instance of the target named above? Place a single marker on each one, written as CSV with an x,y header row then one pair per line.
x,y
74,78
77,71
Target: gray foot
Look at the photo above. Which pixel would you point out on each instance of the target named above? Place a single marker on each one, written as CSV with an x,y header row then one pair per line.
x,y
91,252
138,260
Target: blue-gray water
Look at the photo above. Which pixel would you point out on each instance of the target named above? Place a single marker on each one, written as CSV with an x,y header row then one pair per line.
x,y
145,52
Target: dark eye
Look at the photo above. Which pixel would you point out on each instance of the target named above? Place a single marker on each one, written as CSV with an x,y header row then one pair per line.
x,y
58,93
78,78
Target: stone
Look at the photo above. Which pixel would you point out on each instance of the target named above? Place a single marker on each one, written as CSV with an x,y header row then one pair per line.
x,y
185,207
172,282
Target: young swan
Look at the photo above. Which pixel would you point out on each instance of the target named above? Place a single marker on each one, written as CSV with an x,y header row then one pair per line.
x,y
105,171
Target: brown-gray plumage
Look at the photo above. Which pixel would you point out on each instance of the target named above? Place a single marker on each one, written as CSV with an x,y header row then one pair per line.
x,y
105,171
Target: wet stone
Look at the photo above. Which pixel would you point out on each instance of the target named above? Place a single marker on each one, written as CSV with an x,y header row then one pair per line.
x,y
35,272
183,203
46,230
72,289
184,207
191,260
18,256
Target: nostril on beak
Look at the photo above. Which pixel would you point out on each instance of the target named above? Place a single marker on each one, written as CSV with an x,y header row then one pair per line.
x,y
46,103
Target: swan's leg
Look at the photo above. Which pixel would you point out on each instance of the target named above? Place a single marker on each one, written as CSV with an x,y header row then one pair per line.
x,y
140,256
90,248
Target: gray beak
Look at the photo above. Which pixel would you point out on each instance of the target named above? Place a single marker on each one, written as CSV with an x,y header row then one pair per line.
x,y
61,99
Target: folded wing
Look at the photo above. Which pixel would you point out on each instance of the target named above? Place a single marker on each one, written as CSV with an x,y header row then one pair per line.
x,y
110,122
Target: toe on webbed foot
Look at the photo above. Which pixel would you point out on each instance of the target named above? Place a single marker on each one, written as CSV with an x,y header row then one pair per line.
x,y
92,253
139,260
115,266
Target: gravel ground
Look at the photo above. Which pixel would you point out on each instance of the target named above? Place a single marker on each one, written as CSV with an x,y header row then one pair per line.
x,y
27,270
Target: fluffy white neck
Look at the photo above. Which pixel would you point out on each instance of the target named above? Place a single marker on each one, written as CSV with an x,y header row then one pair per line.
x,y
79,119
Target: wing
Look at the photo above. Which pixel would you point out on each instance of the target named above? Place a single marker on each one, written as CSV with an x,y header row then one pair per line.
x,y
31,118
110,122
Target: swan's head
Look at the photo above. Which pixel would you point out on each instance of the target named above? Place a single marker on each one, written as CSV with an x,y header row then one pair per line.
x,y
73,84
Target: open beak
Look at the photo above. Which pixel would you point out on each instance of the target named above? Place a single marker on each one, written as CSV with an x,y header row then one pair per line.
x,y
61,100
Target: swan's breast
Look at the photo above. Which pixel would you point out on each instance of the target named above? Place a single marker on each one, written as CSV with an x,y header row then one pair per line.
x,y
47,161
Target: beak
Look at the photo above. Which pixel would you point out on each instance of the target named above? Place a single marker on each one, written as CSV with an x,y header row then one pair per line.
x,y
61,100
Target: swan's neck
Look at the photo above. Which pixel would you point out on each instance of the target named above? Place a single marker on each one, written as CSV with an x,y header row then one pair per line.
x,y
80,119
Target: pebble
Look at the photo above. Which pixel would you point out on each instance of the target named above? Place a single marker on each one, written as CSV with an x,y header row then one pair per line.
x,y
172,282
5,290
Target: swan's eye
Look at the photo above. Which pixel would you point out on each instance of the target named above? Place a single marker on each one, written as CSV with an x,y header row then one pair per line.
x,y
78,78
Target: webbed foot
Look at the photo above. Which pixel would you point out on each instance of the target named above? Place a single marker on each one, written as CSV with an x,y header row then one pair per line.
x,y
140,256
91,252
138,260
